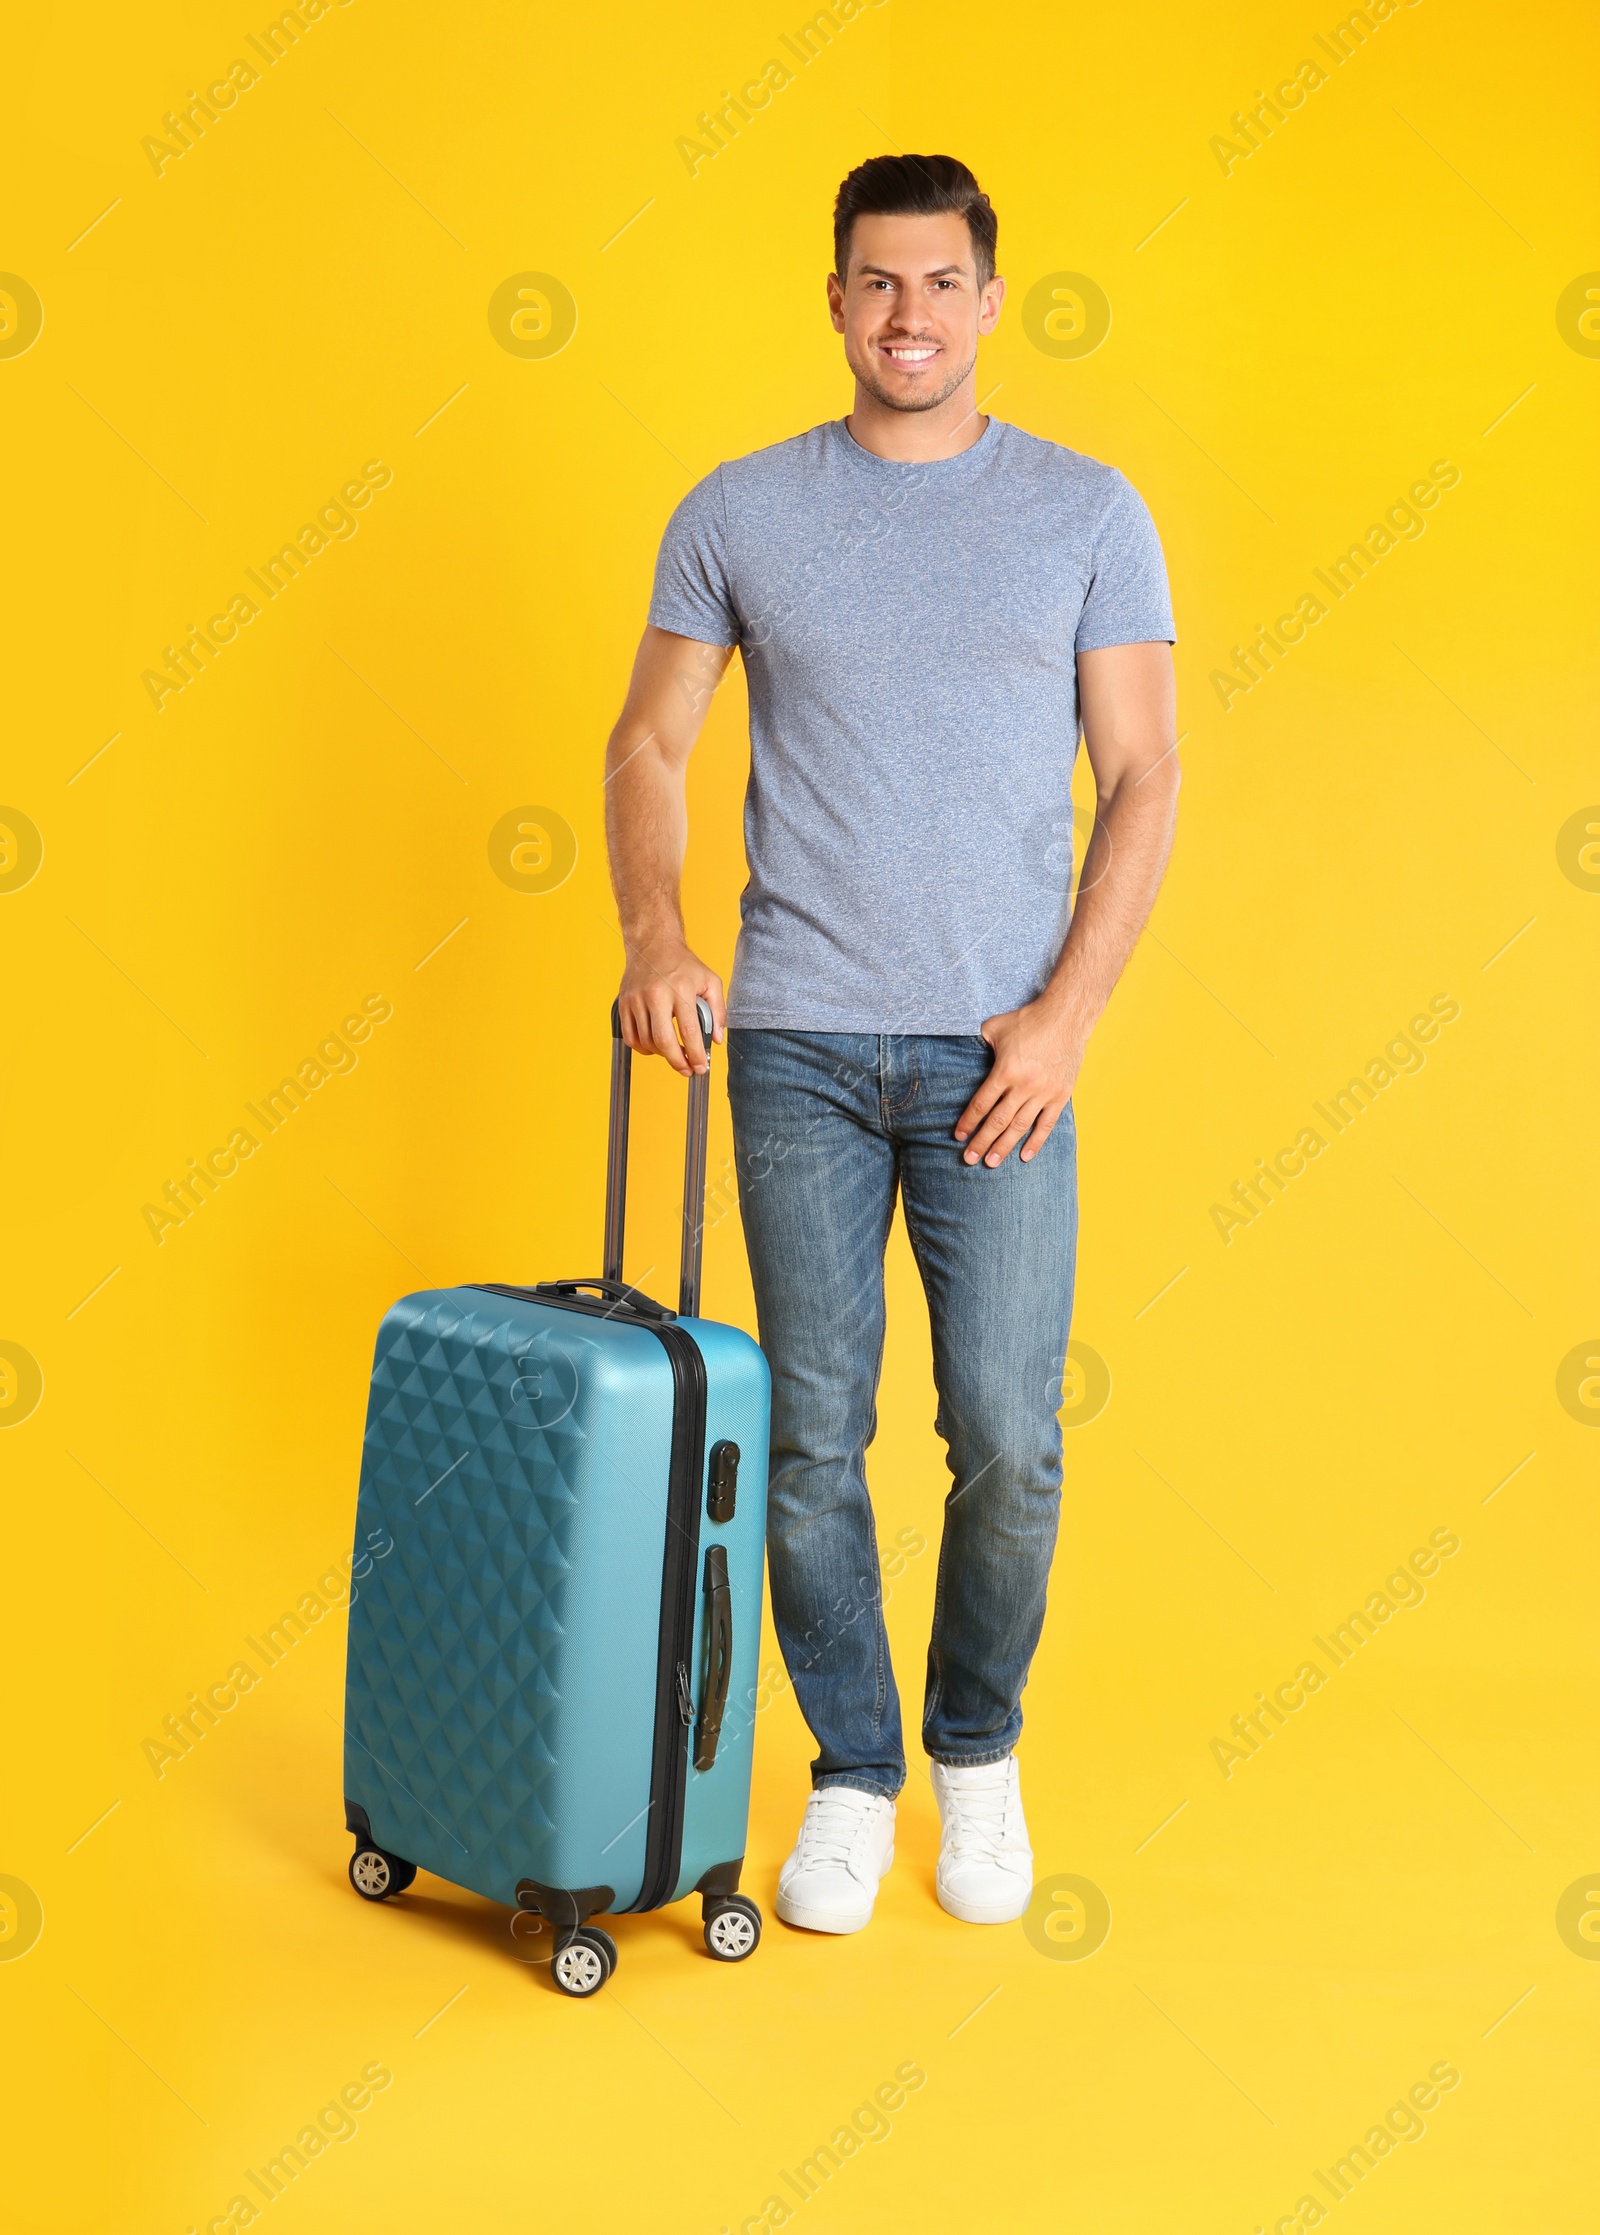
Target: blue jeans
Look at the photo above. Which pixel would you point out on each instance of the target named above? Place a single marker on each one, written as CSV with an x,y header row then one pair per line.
x,y
826,1127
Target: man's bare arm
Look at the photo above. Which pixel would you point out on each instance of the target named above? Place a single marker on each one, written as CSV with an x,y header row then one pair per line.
x,y
1128,700
647,829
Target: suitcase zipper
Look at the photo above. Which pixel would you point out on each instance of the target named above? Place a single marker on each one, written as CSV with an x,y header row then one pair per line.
x,y
669,1768
669,1760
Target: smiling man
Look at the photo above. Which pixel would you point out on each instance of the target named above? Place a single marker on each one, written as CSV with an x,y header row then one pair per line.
x,y
929,604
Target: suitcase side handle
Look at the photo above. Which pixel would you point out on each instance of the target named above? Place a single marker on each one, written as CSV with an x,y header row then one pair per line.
x,y
694,1163
719,1656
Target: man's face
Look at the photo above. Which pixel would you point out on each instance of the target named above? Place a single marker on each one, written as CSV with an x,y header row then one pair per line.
x,y
911,309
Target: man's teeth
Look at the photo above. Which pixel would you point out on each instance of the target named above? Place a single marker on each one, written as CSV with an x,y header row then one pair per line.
x,y
912,356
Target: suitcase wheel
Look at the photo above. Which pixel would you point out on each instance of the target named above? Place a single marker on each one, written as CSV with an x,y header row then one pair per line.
x,y
732,1928
584,1960
375,1875
606,1945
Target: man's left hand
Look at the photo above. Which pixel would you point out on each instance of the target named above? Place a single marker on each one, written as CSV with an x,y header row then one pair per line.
x,y
1037,1053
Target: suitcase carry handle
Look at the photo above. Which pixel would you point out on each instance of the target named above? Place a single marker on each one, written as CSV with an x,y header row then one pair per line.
x,y
719,1656
694,1165
615,1291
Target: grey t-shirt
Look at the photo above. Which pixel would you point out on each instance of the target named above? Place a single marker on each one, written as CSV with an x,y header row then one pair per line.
x,y
909,635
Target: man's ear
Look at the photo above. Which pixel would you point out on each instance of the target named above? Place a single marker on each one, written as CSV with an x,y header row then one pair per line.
x,y
836,302
989,305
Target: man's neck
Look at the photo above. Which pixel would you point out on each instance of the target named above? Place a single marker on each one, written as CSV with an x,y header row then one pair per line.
x,y
917,437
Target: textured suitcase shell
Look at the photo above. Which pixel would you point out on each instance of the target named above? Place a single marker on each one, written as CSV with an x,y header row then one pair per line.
x,y
503,1659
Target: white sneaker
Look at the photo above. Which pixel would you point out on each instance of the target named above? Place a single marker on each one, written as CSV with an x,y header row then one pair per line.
x,y
985,1874
846,1844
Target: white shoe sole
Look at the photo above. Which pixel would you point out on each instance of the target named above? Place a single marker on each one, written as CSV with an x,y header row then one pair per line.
x,y
821,1920
1004,1912
793,1912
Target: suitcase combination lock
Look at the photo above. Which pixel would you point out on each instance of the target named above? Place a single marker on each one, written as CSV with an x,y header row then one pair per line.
x,y
722,1481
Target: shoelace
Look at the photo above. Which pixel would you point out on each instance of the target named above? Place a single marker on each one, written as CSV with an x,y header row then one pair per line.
x,y
830,1831
976,1818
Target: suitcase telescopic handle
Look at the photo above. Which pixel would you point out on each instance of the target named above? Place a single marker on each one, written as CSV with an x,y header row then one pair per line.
x,y
694,1162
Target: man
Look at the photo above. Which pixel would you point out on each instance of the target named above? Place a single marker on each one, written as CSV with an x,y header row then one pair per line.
x,y
928,602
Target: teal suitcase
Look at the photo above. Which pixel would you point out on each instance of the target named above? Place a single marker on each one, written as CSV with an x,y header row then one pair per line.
x,y
552,1669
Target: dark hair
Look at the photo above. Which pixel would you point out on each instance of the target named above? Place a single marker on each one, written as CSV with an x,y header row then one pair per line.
x,y
915,186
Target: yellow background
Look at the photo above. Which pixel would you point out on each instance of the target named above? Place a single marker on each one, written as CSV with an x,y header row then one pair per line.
x,y
227,344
